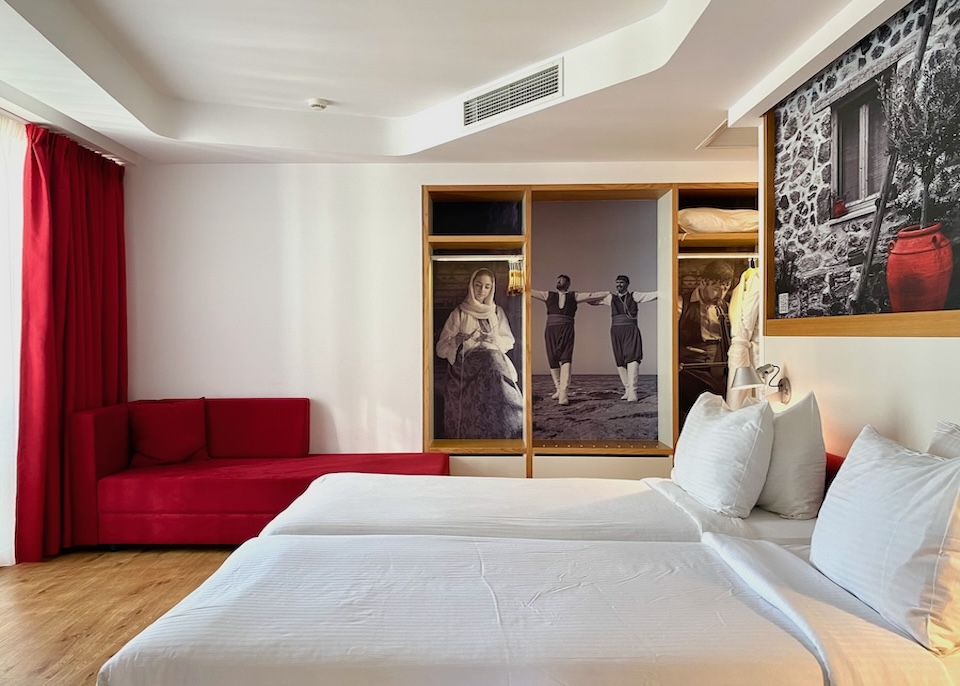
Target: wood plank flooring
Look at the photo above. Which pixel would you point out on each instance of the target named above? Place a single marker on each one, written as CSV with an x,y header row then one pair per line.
x,y
60,620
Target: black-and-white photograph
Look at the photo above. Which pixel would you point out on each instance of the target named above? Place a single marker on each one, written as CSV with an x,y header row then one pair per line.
x,y
707,323
594,321
867,174
478,372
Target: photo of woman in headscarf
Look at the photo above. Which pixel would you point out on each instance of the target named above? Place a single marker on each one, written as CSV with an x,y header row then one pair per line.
x,y
482,397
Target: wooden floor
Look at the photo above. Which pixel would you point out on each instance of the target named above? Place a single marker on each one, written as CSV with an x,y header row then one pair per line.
x,y
60,620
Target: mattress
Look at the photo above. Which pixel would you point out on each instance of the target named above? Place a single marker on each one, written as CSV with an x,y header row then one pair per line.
x,y
403,610
652,509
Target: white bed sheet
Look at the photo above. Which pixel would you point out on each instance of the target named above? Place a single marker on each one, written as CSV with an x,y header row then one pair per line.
x,y
403,610
652,509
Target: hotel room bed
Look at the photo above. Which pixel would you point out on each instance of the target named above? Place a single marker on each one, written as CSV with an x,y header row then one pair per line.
x,y
735,472
403,610
870,602
651,509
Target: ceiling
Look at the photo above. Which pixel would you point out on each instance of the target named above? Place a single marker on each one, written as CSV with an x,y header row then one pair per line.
x,y
209,81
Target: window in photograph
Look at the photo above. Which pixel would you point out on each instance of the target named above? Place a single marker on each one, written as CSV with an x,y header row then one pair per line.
x,y
861,149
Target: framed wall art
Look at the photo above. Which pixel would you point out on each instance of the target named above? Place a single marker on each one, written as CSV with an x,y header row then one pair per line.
x,y
500,377
591,244
479,373
863,186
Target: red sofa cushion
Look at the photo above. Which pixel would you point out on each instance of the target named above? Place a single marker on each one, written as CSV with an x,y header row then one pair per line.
x,y
258,427
226,485
243,485
166,432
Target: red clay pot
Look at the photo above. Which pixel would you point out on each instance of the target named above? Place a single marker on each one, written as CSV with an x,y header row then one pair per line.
x,y
919,267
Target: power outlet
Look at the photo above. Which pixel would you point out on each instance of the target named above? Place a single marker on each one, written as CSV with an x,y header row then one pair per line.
x,y
783,303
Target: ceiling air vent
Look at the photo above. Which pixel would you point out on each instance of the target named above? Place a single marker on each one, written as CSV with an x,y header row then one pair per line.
x,y
536,86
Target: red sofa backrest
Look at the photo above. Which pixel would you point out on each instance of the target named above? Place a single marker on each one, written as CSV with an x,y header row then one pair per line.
x,y
258,427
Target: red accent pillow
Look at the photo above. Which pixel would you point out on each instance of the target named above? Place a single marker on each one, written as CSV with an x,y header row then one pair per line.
x,y
833,466
168,431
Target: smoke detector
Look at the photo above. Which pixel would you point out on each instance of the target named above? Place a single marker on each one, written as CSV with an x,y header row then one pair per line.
x,y
318,104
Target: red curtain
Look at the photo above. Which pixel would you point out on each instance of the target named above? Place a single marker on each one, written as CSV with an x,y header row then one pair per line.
x,y
74,333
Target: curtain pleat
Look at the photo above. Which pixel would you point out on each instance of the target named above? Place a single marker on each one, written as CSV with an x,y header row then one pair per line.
x,y
73,340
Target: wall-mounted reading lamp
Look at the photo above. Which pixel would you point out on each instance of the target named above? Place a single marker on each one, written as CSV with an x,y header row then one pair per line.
x,y
762,377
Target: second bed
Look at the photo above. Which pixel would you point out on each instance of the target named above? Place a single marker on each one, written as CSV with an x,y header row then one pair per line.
x,y
651,509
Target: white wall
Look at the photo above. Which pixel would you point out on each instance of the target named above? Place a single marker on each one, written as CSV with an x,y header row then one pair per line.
x,y
901,386
306,280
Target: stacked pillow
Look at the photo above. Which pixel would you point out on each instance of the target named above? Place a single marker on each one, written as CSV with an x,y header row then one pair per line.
x,y
798,462
722,455
717,220
946,440
734,460
889,533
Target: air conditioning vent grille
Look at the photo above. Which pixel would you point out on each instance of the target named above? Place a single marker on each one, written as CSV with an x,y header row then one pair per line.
x,y
530,88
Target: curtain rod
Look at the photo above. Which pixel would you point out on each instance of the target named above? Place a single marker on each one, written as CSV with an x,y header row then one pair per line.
x,y
60,131
14,117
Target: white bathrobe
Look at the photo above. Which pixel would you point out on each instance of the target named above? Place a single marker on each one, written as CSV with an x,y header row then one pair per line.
x,y
744,332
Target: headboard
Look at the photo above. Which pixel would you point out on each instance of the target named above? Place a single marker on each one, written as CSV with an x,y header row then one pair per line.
x,y
833,464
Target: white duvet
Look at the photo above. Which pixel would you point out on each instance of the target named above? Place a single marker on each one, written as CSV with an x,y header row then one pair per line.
x,y
651,509
461,611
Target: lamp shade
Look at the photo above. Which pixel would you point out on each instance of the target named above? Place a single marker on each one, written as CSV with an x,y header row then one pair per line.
x,y
746,377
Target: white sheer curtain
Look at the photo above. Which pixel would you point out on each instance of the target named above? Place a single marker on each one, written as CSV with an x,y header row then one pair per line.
x,y
13,147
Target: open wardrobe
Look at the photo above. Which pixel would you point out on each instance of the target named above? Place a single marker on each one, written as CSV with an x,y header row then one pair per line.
x,y
718,293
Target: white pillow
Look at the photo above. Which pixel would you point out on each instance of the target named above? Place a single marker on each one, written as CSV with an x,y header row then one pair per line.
x,y
722,455
889,532
714,220
798,462
946,440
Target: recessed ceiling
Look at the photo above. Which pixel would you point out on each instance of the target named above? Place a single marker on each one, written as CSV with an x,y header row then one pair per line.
x,y
229,80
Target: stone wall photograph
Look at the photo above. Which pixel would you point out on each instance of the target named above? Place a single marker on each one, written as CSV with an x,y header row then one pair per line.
x,y
866,185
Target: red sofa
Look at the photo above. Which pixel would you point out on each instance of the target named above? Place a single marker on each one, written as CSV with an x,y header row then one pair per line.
x,y
248,460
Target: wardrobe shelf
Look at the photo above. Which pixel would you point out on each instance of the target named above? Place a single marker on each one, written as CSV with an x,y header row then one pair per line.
x,y
748,239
